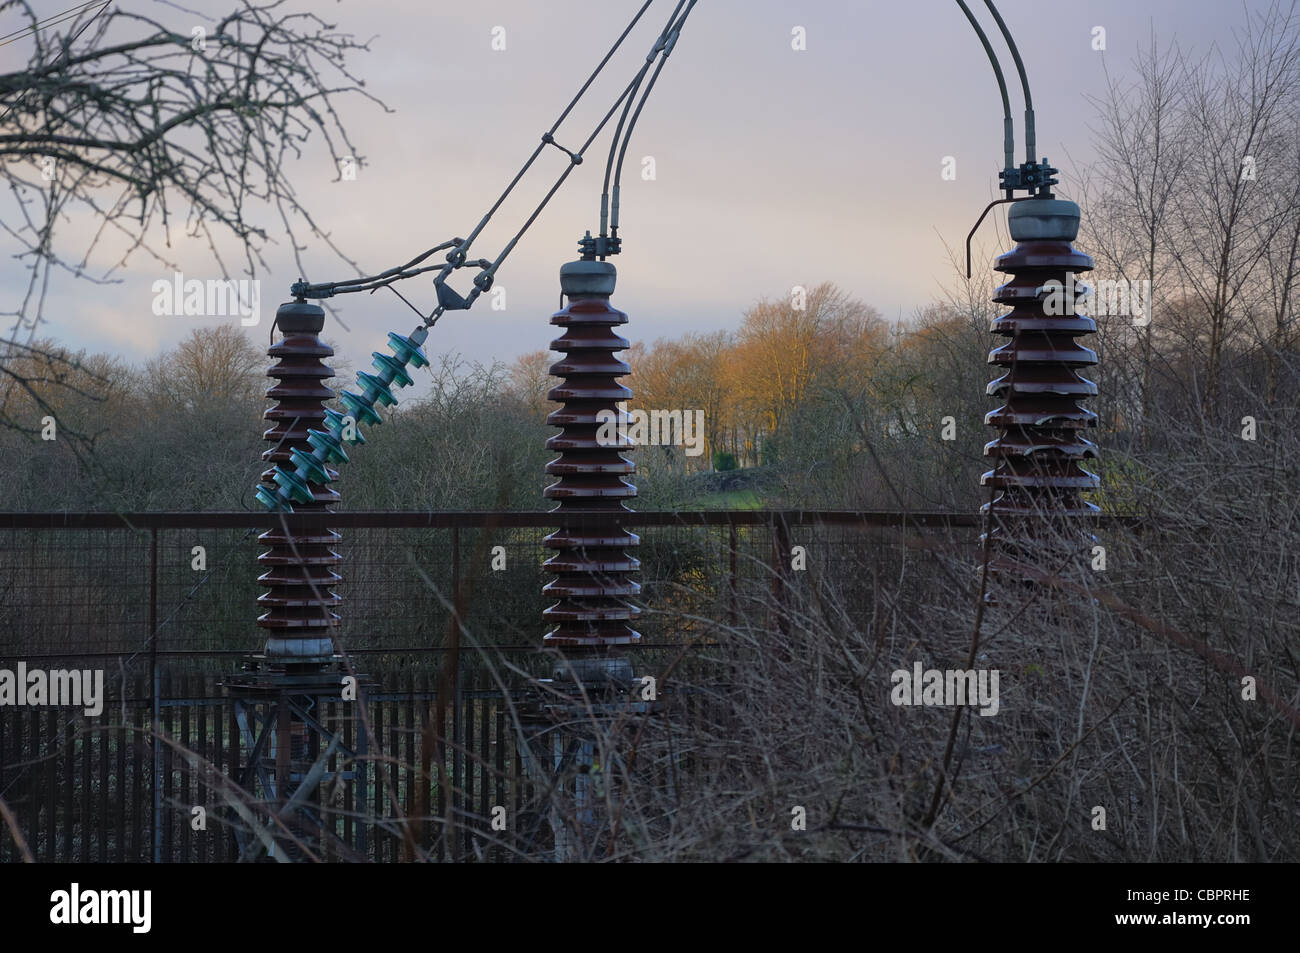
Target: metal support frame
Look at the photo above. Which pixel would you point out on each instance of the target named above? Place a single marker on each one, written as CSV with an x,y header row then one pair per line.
x,y
271,708
560,739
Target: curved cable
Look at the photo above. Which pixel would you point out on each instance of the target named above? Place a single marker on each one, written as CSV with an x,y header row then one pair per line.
x,y
1008,125
373,282
669,43
618,130
1031,146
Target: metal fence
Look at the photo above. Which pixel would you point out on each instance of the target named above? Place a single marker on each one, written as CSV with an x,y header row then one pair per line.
x,y
165,604
102,585
110,789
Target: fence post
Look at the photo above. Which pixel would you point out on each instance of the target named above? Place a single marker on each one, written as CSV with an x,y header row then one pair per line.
x,y
734,582
780,535
153,681
455,801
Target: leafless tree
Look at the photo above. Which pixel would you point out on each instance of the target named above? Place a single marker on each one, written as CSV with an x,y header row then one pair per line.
x,y
1282,251
1227,213
146,128
1142,158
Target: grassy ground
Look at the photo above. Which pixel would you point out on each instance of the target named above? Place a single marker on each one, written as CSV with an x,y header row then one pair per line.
x,y
730,500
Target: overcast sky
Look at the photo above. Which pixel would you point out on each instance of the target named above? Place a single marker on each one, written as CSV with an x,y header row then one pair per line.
x,y
774,166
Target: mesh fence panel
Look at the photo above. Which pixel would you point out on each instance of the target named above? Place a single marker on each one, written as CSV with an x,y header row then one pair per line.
x,y
77,592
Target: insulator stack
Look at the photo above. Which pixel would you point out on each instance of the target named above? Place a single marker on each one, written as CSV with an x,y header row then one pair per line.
x,y
593,572
1037,476
299,566
300,574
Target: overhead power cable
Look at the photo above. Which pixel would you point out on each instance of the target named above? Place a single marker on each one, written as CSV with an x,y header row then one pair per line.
x,y
66,15
457,249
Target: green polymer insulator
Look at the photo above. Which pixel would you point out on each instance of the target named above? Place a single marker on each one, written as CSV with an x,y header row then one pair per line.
x,y
376,389
292,485
408,352
268,499
328,448
310,468
391,369
327,445
360,408
334,421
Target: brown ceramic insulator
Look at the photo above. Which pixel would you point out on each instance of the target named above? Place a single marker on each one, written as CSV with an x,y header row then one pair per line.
x,y
299,566
593,572
1037,455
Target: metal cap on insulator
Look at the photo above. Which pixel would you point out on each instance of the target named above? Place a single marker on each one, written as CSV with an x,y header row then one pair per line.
x,y
296,317
1044,220
588,279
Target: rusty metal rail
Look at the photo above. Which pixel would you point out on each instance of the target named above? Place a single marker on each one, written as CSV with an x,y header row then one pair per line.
x,y
476,519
